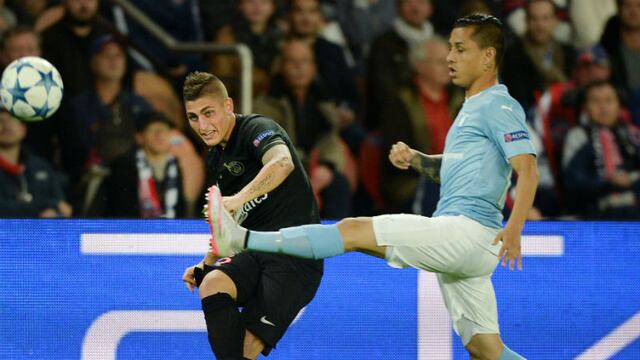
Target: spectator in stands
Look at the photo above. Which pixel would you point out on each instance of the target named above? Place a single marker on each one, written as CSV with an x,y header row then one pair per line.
x,y
102,119
388,66
300,104
28,11
515,15
363,21
28,185
560,107
180,20
306,21
146,182
601,160
17,42
536,60
589,18
42,135
214,15
420,115
254,26
67,42
621,39
7,18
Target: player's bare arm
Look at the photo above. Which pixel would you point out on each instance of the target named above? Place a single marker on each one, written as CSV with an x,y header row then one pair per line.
x,y
404,157
277,165
429,165
527,169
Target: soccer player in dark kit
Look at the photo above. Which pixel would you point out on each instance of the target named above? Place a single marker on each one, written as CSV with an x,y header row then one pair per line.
x,y
265,187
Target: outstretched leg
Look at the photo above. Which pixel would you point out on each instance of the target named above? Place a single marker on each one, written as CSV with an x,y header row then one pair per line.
x,y
307,241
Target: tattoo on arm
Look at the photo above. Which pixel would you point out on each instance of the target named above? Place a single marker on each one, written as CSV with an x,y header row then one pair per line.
x,y
262,186
429,165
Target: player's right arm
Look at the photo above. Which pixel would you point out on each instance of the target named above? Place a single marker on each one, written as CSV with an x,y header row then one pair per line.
x,y
404,157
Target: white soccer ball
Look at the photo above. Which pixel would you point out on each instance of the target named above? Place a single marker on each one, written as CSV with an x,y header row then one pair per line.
x,y
31,88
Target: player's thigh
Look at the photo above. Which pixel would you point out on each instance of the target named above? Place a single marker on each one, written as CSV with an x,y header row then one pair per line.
x,y
443,244
238,276
421,242
471,303
286,286
358,235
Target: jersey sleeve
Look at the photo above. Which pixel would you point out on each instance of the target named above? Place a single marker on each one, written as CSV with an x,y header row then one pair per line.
x,y
508,130
262,134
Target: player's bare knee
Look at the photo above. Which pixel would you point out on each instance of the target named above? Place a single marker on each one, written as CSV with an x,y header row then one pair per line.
x,y
485,347
217,282
354,232
253,346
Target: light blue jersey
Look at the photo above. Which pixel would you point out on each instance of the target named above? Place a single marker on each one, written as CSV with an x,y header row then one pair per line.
x,y
475,174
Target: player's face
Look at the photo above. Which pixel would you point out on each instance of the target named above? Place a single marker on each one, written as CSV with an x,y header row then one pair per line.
x,y
12,131
256,11
212,118
155,138
602,105
415,12
466,60
24,44
305,17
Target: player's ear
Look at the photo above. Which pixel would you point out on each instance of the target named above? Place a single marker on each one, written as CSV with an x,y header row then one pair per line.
x,y
490,54
228,104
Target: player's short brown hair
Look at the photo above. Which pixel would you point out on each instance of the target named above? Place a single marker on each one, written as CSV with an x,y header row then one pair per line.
x,y
488,31
199,83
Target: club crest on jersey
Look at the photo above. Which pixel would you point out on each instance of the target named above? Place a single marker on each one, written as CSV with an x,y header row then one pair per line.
x,y
236,168
515,136
263,135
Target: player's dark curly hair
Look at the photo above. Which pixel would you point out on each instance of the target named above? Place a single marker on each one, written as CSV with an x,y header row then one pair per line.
x,y
488,32
199,83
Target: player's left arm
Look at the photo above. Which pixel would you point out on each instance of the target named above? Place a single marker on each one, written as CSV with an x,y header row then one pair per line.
x,y
277,164
527,169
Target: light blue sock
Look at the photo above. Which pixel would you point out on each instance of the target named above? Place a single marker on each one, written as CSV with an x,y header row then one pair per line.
x,y
508,354
306,241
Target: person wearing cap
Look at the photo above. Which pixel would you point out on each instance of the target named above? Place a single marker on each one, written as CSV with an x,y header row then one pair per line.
x,y
559,107
100,121
29,187
555,113
146,182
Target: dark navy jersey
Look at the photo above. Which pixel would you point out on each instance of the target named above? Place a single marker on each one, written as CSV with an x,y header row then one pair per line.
x,y
232,168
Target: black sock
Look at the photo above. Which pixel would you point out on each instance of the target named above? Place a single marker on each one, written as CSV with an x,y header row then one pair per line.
x,y
224,326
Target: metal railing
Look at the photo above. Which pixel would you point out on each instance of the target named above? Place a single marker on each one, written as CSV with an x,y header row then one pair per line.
x,y
243,51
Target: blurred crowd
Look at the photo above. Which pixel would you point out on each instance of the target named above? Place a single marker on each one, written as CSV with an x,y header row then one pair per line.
x,y
345,78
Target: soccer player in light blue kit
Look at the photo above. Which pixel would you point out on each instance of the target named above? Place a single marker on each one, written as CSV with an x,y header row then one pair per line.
x,y
464,241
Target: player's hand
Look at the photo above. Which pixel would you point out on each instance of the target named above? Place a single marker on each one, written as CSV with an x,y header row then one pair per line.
x,y
400,155
189,278
232,203
510,252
